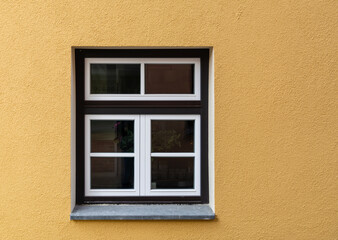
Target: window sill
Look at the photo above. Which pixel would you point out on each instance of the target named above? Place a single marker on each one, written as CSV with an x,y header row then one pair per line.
x,y
142,212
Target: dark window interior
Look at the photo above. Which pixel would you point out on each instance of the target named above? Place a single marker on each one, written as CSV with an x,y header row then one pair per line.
x,y
115,78
169,78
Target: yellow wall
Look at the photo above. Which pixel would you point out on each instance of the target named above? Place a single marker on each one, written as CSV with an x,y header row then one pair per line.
x,y
275,113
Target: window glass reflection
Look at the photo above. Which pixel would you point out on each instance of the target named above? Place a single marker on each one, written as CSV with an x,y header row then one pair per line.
x,y
112,173
112,136
172,135
169,78
115,78
173,173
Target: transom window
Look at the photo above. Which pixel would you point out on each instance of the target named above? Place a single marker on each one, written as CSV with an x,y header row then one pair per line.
x,y
142,126
130,79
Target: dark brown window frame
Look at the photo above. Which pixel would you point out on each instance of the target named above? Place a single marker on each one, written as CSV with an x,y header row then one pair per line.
x,y
141,107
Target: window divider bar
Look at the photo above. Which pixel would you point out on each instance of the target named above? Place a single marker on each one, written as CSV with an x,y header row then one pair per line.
x,y
142,179
147,127
142,110
172,154
142,79
112,154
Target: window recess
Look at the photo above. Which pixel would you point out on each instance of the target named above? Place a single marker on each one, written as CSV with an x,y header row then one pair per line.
x,y
142,126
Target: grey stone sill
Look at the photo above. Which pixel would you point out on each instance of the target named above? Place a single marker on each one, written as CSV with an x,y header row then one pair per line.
x,y
142,212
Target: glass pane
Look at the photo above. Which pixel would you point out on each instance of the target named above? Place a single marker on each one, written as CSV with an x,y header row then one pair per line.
x,y
114,78
169,172
112,172
169,78
112,136
172,135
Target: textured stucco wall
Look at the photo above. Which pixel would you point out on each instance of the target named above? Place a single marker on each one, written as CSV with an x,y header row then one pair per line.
x,y
276,117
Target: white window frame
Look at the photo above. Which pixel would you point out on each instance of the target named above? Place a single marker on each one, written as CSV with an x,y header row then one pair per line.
x,y
196,191
142,95
142,156
112,192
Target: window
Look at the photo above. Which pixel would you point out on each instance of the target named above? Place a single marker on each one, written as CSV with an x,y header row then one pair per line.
x,y
127,79
141,126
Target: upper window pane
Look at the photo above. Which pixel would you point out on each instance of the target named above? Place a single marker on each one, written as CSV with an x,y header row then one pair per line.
x,y
115,78
112,136
172,135
169,78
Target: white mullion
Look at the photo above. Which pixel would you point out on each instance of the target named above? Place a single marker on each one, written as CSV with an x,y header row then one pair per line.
x,y
172,192
197,79
147,128
87,174
173,154
137,154
115,154
142,79
197,149
143,167
87,78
